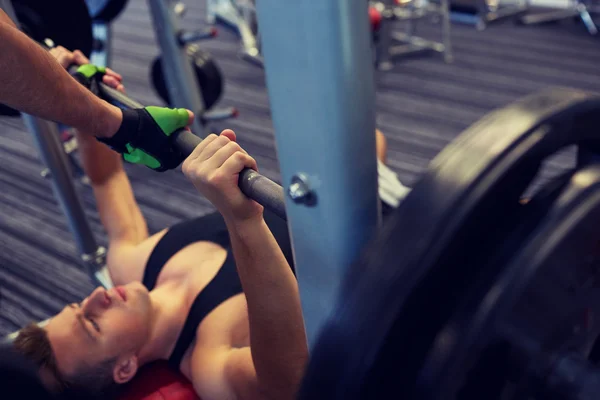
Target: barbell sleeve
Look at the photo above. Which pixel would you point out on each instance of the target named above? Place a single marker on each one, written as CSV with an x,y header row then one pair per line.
x,y
254,185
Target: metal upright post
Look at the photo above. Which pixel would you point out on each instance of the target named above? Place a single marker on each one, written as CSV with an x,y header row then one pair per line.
x,y
448,52
47,139
179,74
320,80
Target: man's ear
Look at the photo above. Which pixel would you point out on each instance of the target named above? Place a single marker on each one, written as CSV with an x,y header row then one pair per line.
x,y
125,369
48,380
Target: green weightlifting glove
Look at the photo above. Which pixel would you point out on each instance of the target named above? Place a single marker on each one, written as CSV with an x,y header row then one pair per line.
x,y
90,76
145,137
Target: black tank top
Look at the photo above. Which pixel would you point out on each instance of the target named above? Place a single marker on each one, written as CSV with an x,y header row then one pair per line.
x,y
224,285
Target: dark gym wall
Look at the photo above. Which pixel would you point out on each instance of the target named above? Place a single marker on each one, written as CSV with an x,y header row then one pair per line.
x,y
422,105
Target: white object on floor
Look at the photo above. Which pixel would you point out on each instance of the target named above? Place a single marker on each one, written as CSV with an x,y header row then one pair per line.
x,y
391,190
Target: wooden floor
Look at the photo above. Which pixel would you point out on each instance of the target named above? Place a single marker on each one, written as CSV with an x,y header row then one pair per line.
x,y
421,106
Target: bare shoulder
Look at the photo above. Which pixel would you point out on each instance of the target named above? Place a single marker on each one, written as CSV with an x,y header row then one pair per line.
x,y
224,373
126,262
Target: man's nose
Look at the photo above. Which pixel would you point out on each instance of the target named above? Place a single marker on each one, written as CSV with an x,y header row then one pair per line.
x,y
99,299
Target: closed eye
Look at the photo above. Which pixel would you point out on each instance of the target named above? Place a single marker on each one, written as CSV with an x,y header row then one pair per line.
x,y
94,324
91,320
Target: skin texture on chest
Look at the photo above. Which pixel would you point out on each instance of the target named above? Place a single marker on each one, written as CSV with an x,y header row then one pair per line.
x,y
182,278
194,267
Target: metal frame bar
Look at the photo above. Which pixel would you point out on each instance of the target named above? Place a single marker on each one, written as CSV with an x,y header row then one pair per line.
x,y
47,138
179,76
322,101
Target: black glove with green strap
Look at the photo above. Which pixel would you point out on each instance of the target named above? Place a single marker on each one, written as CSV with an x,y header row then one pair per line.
x,y
145,137
145,134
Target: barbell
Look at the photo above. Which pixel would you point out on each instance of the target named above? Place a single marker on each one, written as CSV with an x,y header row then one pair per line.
x,y
254,185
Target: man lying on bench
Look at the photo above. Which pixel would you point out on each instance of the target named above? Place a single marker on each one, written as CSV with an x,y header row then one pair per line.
x,y
215,296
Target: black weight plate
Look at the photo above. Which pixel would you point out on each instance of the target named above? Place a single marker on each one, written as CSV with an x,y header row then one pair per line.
x,y
464,339
207,73
66,22
410,280
105,10
545,299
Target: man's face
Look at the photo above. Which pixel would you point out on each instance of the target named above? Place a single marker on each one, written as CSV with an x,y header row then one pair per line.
x,y
105,325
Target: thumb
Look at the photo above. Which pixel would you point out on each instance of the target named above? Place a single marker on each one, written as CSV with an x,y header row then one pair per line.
x,y
190,117
169,119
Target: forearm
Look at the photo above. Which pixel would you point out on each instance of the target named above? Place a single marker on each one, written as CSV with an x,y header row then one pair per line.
x,y
31,80
277,334
117,207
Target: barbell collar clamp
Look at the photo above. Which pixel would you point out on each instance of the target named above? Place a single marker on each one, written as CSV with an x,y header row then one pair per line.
x,y
300,190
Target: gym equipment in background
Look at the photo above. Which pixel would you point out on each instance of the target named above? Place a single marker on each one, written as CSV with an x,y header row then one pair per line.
x,y
408,12
182,67
470,293
205,75
240,16
579,9
481,13
205,69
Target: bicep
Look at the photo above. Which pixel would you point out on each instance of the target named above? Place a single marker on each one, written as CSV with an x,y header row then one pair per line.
x,y
225,374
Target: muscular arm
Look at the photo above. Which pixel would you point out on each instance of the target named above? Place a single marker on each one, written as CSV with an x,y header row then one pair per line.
x,y
277,335
119,212
273,365
32,81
